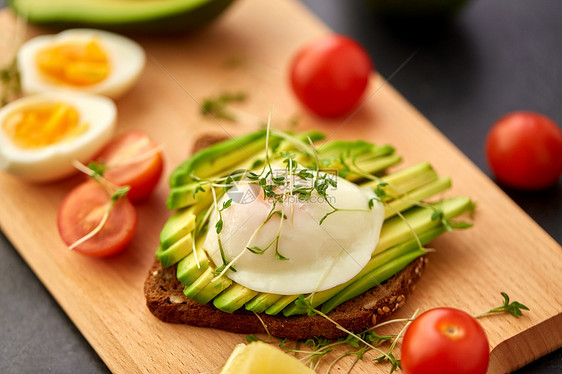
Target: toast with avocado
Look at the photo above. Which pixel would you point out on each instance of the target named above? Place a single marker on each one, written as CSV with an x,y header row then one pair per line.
x,y
220,264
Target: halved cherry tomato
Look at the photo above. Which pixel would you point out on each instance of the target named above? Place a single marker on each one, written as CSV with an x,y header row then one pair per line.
x,y
524,150
330,75
133,159
83,209
445,340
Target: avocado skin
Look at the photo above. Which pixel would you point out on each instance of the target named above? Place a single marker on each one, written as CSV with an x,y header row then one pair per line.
x,y
180,23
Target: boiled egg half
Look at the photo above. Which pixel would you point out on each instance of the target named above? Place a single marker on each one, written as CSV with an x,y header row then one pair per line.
x,y
87,60
317,256
40,135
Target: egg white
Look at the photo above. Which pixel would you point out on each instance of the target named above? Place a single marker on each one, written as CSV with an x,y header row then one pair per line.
x,y
320,256
126,59
54,161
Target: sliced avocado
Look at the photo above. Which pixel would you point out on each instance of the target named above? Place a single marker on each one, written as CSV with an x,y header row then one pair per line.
x,y
219,157
192,266
212,289
356,155
206,287
234,298
262,301
410,199
388,261
178,225
375,262
175,252
372,279
278,306
188,195
397,229
147,16
407,179
350,149
194,288
298,141
374,166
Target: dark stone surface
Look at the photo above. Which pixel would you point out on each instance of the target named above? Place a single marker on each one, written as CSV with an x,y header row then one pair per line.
x,y
495,57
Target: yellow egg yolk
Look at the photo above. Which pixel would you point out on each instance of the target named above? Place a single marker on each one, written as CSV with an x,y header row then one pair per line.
x,y
74,63
43,125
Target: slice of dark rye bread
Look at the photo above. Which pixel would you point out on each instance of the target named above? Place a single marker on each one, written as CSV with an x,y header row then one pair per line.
x,y
165,299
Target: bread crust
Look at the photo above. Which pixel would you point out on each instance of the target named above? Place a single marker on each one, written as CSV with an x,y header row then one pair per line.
x,y
165,299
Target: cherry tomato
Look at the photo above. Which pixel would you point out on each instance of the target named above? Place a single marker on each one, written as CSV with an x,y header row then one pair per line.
x,y
330,75
140,163
445,340
83,209
524,150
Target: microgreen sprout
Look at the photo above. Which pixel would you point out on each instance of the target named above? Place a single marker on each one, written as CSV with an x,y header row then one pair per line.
x,y
218,228
113,192
366,341
217,106
97,168
449,225
311,311
515,308
9,83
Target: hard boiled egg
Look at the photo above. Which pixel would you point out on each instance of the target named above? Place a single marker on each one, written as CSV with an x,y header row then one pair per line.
x,y
41,135
319,256
87,60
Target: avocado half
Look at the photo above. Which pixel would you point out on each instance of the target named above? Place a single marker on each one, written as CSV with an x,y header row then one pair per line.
x,y
139,16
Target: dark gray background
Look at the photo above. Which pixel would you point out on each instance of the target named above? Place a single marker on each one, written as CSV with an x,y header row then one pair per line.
x,y
497,56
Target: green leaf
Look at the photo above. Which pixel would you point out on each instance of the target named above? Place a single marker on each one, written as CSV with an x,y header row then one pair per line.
x,y
198,188
226,204
120,192
279,256
437,215
514,308
222,267
280,214
380,191
257,163
98,168
256,250
217,106
305,174
218,226
459,225
252,338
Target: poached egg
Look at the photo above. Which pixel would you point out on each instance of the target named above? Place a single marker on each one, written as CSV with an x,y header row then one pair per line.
x,y
317,256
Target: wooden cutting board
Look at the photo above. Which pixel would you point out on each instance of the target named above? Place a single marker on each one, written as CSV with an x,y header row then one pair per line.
x,y
505,251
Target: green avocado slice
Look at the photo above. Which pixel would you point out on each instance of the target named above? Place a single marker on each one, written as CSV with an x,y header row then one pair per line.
x,y
147,16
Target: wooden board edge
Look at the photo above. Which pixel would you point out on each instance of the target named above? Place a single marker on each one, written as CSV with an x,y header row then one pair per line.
x,y
528,346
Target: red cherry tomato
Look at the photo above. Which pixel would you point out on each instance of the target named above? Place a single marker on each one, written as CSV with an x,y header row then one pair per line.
x,y
330,75
140,163
445,340
83,209
524,150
